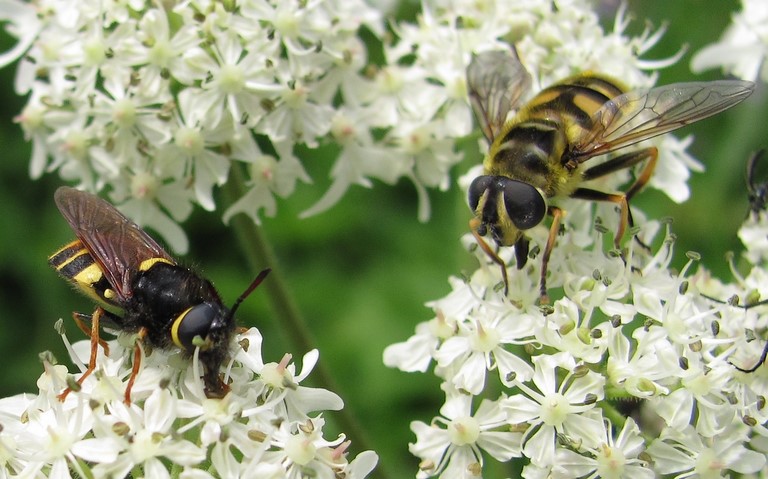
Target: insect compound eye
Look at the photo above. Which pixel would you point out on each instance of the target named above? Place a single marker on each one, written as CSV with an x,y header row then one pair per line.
x,y
525,205
477,188
196,321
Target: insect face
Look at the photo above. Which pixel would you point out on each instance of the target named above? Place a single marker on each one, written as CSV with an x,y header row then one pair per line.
x,y
505,207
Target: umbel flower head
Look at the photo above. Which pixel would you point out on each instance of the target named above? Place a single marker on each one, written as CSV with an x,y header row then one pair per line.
x,y
269,425
552,385
155,102
633,371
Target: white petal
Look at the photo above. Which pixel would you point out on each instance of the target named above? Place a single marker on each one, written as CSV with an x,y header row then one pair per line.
x,y
414,355
101,450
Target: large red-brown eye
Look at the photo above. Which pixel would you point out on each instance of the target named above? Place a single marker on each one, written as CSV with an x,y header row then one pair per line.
x,y
525,205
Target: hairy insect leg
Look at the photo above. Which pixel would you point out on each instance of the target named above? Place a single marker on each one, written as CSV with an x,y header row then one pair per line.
x,y
136,364
95,341
557,216
474,223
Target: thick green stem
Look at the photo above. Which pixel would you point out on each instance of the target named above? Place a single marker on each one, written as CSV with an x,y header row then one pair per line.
x,y
259,254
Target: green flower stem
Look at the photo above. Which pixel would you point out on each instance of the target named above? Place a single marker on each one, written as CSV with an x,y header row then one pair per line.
x,y
613,414
260,254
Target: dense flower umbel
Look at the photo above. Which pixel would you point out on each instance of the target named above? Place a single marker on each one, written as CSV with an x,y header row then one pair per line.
x,y
155,101
625,337
267,426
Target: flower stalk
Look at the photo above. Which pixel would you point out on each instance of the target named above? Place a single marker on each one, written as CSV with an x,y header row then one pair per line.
x,y
259,254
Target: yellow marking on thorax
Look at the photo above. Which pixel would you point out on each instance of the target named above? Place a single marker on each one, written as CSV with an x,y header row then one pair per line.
x,y
148,263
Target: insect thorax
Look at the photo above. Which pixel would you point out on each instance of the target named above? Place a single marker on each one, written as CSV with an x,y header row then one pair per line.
x,y
161,294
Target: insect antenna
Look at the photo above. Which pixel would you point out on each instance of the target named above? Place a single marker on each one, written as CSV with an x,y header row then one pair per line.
x,y
256,282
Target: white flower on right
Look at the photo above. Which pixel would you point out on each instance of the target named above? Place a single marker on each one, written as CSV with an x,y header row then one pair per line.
x,y
743,48
686,454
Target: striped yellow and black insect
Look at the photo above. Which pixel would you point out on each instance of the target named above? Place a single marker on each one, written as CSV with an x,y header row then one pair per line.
x,y
539,152
139,288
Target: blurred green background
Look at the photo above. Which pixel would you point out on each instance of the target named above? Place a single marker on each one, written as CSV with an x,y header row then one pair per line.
x,y
361,272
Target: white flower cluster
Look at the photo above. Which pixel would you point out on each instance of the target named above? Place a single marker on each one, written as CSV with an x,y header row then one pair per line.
x,y
631,374
154,101
268,426
743,48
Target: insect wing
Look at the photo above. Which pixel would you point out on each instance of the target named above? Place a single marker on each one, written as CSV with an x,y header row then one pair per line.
x,y
117,244
496,80
641,114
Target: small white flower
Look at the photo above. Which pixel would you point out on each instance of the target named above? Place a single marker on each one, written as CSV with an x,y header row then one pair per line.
x,y
639,369
24,25
451,446
566,408
685,453
480,346
417,352
616,457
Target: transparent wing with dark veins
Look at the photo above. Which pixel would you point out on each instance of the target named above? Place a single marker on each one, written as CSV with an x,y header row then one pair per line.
x,y
496,80
641,114
117,244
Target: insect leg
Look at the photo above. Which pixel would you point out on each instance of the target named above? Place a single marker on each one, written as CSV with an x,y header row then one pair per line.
x,y
136,364
473,225
625,161
94,335
653,155
557,216
618,198
80,320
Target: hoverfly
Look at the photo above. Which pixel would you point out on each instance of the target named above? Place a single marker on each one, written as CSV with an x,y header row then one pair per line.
x,y
539,153
141,289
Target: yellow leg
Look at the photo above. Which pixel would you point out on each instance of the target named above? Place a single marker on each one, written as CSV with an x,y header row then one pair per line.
x,y
557,216
136,364
94,335
78,317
